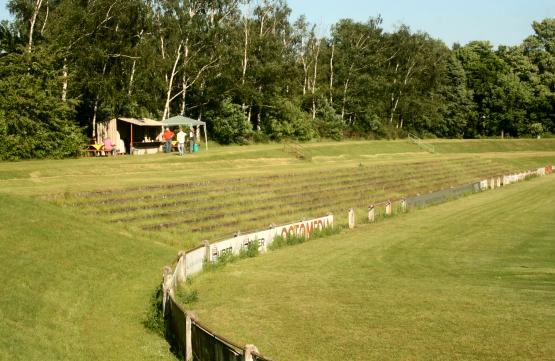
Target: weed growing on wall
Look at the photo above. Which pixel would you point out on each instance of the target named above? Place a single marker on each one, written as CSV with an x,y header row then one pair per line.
x,y
223,259
290,240
326,231
251,250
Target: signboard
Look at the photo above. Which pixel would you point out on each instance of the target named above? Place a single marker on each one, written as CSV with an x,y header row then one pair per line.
x,y
265,238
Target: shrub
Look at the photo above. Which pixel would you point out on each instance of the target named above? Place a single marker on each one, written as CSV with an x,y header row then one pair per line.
x,y
229,123
328,123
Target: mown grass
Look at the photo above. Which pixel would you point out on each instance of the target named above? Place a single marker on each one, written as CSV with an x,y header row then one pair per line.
x,y
73,288
472,279
76,285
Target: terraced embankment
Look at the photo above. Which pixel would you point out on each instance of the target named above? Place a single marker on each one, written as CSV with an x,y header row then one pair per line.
x,y
209,209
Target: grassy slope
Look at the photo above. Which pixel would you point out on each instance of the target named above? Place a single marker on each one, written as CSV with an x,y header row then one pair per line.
x,y
74,289
59,176
472,279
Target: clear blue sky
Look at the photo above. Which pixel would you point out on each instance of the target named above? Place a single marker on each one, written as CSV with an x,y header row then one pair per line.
x,y
503,22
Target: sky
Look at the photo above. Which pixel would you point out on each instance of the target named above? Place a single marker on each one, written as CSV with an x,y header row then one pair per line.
x,y
502,22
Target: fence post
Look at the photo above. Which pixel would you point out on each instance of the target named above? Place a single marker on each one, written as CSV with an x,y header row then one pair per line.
x,y
249,350
181,268
351,218
188,338
166,287
388,208
206,251
371,213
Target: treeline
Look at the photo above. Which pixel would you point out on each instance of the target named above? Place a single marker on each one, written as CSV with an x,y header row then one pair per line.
x,y
254,74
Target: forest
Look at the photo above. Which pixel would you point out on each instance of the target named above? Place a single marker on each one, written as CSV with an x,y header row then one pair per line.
x,y
254,74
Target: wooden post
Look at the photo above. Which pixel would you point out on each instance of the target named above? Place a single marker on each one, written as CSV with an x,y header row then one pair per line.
x,y
371,213
131,141
188,338
351,218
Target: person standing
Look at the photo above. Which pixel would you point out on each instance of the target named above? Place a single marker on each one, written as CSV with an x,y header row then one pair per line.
x,y
181,141
191,139
168,136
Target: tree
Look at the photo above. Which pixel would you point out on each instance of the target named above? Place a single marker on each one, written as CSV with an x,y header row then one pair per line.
x,y
34,121
229,123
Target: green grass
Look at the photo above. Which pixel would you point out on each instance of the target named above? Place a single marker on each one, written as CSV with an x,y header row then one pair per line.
x,y
472,279
74,288
183,201
77,286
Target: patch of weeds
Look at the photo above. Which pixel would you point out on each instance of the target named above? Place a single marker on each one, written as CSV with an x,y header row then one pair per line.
x,y
290,240
154,318
187,295
251,250
326,231
278,242
223,259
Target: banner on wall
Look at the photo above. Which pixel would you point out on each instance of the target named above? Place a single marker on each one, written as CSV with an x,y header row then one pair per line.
x,y
265,238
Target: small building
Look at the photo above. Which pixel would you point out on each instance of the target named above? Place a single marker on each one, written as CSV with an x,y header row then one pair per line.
x,y
141,135
134,135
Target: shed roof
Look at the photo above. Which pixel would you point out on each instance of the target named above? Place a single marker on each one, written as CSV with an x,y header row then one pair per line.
x,y
142,121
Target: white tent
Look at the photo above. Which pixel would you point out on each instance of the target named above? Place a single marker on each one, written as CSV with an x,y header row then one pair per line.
x,y
181,120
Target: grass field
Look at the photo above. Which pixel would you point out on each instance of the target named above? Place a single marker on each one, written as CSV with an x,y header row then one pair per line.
x,y
472,279
84,240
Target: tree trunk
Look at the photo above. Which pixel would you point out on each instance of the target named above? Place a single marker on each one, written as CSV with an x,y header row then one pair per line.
x,y
184,85
95,108
32,21
129,91
314,79
170,84
245,50
345,88
65,80
305,65
45,19
331,72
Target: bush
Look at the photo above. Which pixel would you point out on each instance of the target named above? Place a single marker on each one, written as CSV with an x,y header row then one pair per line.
x,y
329,124
286,120
229,123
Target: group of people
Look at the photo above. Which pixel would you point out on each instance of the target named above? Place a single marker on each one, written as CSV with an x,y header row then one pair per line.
x,y
168,135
